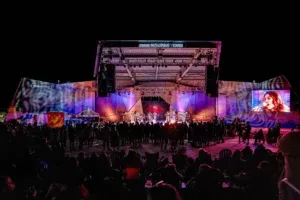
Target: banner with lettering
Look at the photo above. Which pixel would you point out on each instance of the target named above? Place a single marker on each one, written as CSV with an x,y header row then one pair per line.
x,y
55,119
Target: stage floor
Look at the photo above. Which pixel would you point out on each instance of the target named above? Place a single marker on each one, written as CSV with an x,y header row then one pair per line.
x,y
265,130
231,143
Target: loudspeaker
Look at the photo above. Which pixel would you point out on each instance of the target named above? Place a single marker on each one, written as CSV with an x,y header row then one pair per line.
x,y
102,88
106,79
111,82
211,81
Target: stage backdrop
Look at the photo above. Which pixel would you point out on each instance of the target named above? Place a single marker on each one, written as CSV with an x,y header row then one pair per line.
x,y
200,106
235,100
33,96
155,105
112,106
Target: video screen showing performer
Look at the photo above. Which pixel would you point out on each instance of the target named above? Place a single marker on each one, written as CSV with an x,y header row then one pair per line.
x,y
271,101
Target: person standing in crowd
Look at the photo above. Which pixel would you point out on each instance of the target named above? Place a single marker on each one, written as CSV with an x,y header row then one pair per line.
x,y
247,133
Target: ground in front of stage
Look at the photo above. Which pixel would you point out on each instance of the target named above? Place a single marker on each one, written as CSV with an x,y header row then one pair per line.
x,y
213,149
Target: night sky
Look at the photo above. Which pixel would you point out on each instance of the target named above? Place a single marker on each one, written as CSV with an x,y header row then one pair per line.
x,y
67,53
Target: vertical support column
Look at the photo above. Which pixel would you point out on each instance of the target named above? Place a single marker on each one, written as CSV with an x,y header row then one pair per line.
x,y
98,58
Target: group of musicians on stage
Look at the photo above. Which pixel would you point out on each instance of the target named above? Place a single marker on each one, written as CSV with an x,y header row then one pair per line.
x,y
170,117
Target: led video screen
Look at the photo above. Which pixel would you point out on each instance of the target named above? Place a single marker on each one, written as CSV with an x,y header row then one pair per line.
x,y
271,100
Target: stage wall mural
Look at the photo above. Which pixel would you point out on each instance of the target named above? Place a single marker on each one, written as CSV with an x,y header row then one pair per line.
x,y
38,97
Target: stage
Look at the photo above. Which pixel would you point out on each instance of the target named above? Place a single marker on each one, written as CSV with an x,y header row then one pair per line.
x,y
213,149
133,79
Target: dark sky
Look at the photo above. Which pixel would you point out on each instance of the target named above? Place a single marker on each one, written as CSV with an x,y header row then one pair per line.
x,y
67,53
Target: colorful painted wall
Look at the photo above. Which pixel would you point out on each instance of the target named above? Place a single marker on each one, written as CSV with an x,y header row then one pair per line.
x,y
33,96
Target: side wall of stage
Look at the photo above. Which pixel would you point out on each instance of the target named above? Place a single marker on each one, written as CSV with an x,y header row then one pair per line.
x,y
39,97
235,100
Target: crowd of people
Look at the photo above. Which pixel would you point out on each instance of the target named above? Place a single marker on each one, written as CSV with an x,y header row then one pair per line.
x,y
35,164
113,135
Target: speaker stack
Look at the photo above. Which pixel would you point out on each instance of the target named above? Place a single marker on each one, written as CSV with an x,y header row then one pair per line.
x,y
106,79
211,81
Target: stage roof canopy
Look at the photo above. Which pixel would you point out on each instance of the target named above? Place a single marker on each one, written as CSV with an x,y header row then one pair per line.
x,y
178,62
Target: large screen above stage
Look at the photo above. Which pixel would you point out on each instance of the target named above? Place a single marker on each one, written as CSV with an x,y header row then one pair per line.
x,y
271,100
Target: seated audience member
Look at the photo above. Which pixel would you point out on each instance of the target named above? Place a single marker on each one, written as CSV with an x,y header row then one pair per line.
x,y
289,186
261,183
237,164
133,165
163,191
190,170
180,158
203,158
208,182
247,153
170,175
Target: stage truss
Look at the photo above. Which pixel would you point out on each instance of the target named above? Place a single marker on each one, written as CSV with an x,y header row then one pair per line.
x,y
154,69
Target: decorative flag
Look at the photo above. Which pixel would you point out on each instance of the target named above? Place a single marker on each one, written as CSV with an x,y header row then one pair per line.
x,y
55,119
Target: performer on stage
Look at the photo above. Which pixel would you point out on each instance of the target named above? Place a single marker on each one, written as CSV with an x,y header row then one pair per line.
x,y
168,116
183,116
187,116
132,117
154,117
149,117
173,117
142,118
136,115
